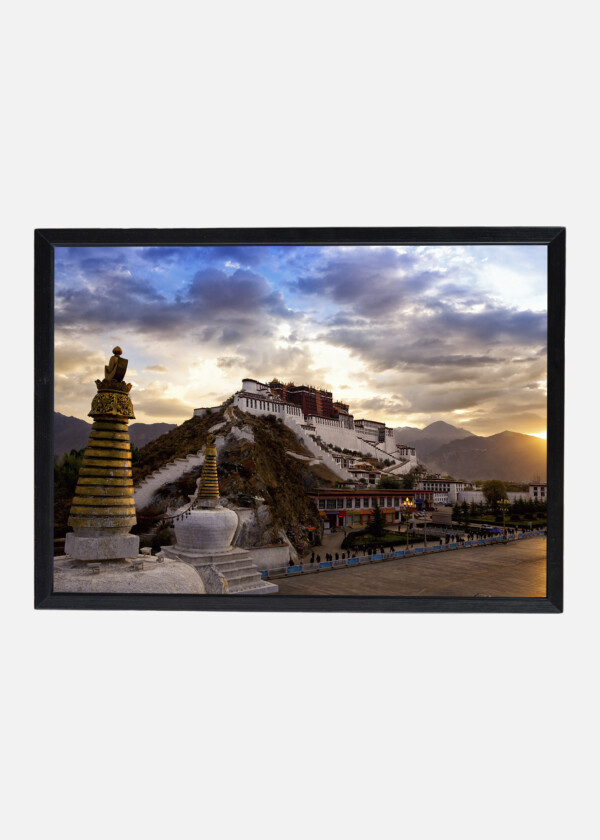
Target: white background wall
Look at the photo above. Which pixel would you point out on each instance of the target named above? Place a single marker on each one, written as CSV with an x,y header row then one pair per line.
x,y
149,725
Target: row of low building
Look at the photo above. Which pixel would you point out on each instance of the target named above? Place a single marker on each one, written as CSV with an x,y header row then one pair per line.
x,y
451,491
354,508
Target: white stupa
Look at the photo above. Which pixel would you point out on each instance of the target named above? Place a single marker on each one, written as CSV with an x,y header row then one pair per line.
x,y
204,532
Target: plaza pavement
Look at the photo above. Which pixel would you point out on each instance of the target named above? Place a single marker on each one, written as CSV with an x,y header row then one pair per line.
x,y
514,570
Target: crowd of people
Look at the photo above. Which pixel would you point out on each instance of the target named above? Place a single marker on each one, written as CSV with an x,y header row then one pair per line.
x,y
369,551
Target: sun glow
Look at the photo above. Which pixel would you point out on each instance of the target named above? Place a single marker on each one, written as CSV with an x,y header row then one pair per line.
x,y
541,435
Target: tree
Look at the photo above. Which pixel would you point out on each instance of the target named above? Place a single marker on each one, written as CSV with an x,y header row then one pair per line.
x,y
456,512
390,482
494,491
465,512
66,473
377,526
408,482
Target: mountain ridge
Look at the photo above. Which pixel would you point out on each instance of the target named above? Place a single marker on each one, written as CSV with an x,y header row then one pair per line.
x,y
73,433
507,456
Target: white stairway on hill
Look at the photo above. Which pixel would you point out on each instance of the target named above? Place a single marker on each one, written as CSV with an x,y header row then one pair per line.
x,y
145,490
322,454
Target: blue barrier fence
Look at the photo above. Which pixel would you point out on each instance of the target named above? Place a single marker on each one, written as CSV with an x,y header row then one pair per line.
x,y
353,561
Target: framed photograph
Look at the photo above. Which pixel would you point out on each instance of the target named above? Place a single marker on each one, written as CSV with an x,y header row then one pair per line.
x,y
300,419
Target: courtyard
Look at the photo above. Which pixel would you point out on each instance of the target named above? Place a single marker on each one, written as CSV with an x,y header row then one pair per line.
x,y
515,570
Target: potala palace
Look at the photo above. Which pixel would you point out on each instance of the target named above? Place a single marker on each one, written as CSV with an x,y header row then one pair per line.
x,y
326,428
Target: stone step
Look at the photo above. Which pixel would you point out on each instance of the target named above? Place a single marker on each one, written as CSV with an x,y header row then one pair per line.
x,y
228,566
239,578
262,588
233,571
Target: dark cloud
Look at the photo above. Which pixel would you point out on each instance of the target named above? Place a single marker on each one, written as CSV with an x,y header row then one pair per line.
x,y
368,281
243,293
213,306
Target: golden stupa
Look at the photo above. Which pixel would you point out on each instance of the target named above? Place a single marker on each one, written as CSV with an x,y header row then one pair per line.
x,y
103,508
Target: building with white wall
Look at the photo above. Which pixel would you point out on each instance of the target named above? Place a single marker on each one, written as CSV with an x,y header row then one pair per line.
x,y
538,492
357,437
445,488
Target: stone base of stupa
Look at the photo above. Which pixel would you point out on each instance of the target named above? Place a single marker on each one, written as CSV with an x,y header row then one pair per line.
x,y
228,572
119,547
141,575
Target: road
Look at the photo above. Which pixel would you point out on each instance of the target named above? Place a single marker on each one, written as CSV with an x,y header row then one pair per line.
x,y
515,570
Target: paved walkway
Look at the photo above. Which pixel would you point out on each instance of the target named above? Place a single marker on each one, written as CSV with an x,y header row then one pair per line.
x,y
514,570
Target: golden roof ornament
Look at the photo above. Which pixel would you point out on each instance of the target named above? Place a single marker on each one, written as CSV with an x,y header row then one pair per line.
x,y
112,399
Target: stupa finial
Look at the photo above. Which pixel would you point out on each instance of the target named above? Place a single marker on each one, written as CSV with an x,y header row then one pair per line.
x,y
112,398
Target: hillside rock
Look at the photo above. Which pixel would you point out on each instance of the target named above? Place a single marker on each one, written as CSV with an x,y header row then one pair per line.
x,y
259,476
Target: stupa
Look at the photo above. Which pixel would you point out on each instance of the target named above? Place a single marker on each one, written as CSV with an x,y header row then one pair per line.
x,y
204,532
103,509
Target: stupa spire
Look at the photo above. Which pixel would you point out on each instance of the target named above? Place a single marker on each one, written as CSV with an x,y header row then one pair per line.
x,y
209,480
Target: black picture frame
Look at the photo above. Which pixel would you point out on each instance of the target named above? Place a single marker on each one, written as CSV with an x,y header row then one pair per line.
x,y
46,240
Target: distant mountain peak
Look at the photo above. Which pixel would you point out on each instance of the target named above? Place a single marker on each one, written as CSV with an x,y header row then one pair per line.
x,y
441,425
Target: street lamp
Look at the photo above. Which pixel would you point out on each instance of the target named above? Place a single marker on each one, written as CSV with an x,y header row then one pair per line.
x,y
405,505
504,504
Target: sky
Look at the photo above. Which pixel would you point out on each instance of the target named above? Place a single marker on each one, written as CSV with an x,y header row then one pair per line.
x,y
407,335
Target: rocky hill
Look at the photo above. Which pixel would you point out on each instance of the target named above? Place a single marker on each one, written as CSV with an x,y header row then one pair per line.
x,y
508,456
261,465
73,433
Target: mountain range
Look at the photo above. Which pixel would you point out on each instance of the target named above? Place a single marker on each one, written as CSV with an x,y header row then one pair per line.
x,y
448,450
73,433
431,437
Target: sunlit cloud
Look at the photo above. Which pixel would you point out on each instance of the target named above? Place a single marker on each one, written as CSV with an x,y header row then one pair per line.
x,y
407,335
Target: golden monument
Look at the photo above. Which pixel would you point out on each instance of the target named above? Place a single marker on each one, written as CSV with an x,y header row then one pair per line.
x,y
209,482
103,509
